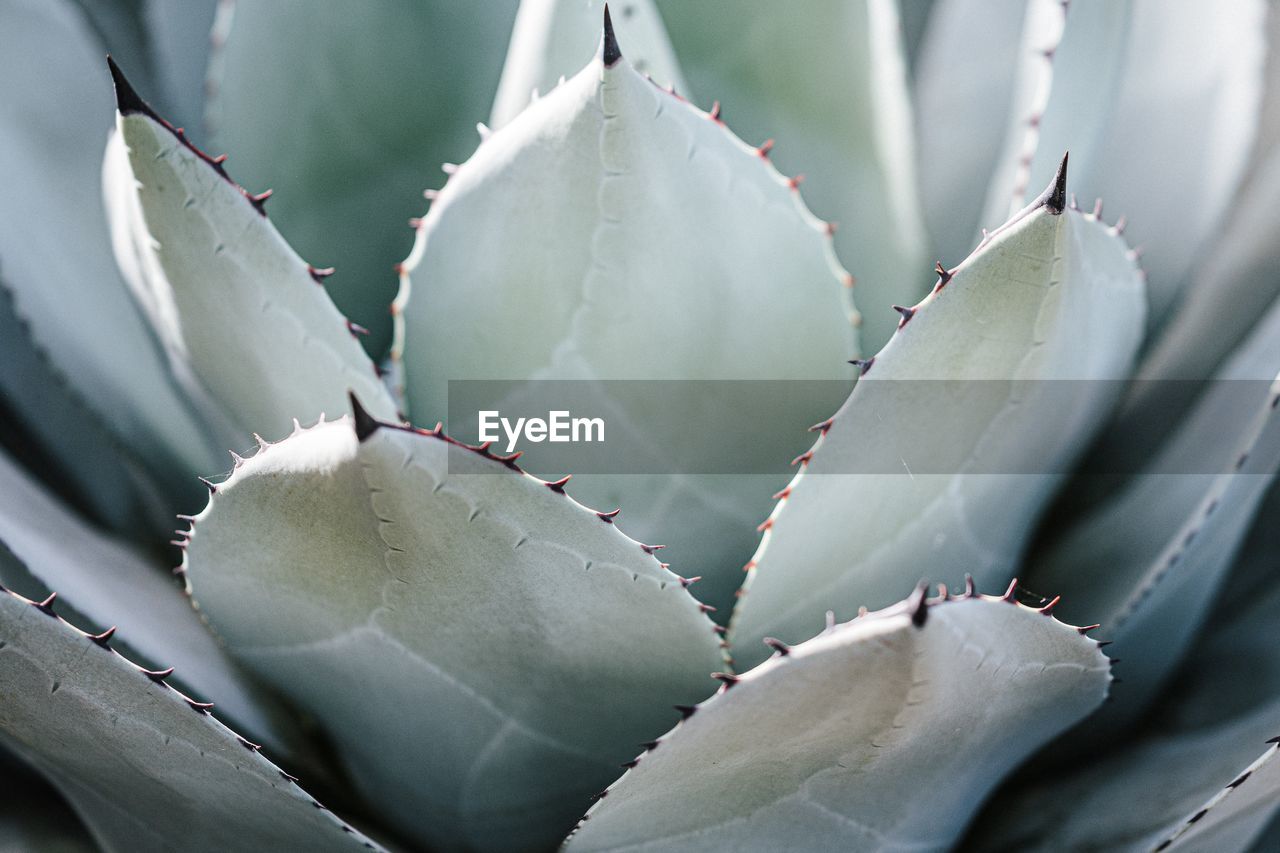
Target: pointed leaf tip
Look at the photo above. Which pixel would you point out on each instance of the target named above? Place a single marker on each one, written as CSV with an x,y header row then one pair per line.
x,y
611,52
365,423
1054,196
128,100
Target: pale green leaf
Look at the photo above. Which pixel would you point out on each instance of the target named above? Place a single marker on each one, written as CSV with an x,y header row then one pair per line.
x,y
142,767
827,79
553,39
1009,344
1071,56
962,111
111,583
514,643
1180,132
349,114
235,306
884,733
1147,562
55,247
568,284
1210,726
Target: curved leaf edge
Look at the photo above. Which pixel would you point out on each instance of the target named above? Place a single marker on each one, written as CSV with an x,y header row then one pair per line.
x,y
1186,825
365,424
917,606
203,709
610,51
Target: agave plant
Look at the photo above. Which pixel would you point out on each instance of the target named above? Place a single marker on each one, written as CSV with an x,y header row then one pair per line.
x,y
456,648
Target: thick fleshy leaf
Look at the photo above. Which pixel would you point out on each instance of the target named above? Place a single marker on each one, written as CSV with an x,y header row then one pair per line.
x,y
962,111
883,733
1208,730
553,39
110,583
568,284
48,425
1147,563
1071,61
1009,345
364,108
1179,134
519,645
142,766
827,79
239,312
55,248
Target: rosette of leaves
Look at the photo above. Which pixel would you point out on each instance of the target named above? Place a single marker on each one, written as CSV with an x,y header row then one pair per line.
x,y
419,644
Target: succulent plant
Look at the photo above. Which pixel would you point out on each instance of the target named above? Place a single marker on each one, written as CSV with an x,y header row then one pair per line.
x,y
418,643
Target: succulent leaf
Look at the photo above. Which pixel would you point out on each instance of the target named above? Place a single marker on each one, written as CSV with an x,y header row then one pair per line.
x,y
517,642
851,133
828,745
553,39
1214,724
1194,124
53,123
962,111
1053,295
1152,592
376,101
215,276
49,424
111,735
1071,55
110,583
568,285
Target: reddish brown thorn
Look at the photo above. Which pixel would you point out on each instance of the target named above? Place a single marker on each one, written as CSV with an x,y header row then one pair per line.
x,y
803,458
849,280
46,606
907,314
714,115
725,678
158,675
104,639
415,222
765,148
795,182
356,329
968,586
831,228
1084,629
767,524
1009,593
706,608
259,201
213,490
288,777
1120,225
777,645
688,582
249,745
610,53
649,745
1097,209
320,274
686,711
649,549
1047,609
1105,643
944,274
719,630
199,707
782,495
823,426
431,195
627,765
750,564
509,460
558,485
608,517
